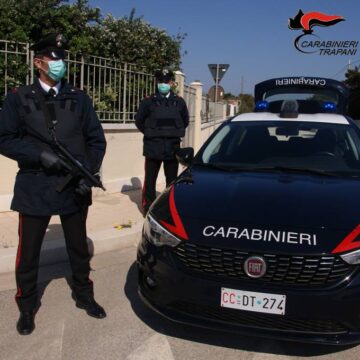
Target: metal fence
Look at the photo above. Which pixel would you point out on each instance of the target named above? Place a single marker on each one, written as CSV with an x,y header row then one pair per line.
x,y
190,98
15,64
116,88
211,111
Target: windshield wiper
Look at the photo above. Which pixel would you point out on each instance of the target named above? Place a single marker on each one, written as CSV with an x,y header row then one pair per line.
x,y
271,168
306,170
280,168
213,166
295,169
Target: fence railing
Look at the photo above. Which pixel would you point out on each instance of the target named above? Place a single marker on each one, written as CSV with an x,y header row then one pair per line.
x,y
116,88
211,111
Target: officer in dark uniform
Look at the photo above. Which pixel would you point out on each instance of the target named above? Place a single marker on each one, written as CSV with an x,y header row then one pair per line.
x,y
162,118
27,135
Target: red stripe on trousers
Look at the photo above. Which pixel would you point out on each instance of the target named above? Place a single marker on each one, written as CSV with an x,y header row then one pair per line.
x,y
18,254
143,201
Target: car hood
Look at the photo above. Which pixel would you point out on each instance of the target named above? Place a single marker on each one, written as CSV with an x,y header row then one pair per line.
x,y
253,210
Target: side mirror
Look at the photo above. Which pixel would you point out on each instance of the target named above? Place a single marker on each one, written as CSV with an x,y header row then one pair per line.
x,y
185,156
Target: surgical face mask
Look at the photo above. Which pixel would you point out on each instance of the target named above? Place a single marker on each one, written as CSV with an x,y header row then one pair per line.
x,y
57,69
163,88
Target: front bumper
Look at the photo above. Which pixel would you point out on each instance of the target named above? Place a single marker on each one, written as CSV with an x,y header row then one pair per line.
x,y
321,315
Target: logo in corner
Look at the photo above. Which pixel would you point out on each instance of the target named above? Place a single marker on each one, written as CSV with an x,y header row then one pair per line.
x,y
306,22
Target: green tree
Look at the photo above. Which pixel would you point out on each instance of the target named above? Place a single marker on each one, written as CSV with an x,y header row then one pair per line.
x,y
128,39
30,20
131,39
229,96
247,103
353,81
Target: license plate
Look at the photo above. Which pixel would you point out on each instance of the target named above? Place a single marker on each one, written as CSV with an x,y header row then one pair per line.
x,y
253,301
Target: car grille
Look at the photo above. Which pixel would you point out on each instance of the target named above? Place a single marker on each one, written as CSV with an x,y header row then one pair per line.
x,y
284,269
263,321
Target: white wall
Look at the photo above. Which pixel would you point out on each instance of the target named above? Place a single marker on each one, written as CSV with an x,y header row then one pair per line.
x,y
123,165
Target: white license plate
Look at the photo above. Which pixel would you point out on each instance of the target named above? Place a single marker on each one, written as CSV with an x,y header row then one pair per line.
x,y
253,301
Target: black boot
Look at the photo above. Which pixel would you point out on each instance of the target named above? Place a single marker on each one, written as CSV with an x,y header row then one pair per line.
x,y
25,324
91,307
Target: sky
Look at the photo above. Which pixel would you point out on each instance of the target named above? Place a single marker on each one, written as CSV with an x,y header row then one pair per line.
x,y
252,36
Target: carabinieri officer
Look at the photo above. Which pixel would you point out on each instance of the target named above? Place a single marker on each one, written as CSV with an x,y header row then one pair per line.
x,y
27,133
162,118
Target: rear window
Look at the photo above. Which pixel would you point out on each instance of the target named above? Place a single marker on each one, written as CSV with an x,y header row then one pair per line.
x,y
309,100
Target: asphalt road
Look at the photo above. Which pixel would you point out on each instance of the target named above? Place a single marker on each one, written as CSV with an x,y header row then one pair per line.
x,y
131,331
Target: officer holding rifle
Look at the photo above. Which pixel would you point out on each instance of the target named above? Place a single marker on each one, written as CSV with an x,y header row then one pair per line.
x,y
51,129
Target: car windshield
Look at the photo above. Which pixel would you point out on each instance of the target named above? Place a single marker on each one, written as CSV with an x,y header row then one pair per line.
x,y
291,145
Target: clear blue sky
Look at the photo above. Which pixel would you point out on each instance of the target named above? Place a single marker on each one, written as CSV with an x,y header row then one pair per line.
x,y
250,35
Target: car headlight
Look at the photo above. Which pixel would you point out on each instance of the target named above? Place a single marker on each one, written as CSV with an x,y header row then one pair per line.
x,y
352,258
157,234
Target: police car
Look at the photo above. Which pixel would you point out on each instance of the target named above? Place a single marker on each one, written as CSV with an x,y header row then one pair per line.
x,y
260,233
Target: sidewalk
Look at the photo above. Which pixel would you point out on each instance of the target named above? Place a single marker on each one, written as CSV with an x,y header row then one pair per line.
x,y
114,221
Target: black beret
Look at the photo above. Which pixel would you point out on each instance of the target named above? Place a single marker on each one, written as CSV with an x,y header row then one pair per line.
x,y
164,75
53,45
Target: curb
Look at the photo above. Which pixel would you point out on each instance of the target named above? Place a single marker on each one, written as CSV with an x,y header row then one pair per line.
x,y
54,251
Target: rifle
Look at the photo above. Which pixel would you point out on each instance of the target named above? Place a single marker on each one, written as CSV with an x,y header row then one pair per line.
x,y
75,169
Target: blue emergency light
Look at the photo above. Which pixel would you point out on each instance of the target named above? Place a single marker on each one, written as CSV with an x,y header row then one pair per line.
x,y
261,105
328,106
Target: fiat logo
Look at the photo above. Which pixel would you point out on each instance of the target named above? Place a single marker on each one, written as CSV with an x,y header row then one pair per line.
x,y
255,267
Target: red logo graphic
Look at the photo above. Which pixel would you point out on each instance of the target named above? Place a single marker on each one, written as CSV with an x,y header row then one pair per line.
x,y
255,267
306,22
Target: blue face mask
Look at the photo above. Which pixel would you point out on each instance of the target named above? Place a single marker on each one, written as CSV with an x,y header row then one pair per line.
x,y
163,88
57,69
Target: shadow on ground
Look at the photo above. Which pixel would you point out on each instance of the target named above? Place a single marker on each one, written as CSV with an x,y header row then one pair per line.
x,y
132,191
223,339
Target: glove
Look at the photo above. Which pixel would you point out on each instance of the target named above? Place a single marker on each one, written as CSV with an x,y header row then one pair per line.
x,y
82,189
51,161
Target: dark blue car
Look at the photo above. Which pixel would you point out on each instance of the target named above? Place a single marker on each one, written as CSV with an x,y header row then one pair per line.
x,y
260,233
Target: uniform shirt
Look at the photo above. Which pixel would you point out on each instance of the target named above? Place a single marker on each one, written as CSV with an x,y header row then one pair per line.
x,y
46,87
